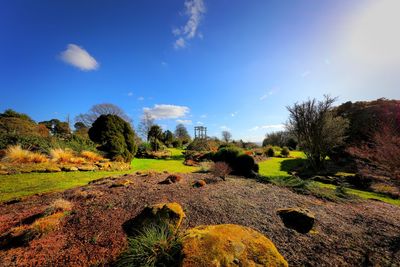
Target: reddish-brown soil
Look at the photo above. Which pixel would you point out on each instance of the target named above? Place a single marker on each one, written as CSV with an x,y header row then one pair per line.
x,y
363,233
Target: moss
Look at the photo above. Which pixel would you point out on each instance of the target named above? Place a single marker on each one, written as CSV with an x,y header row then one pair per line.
x,y
228,245
173,209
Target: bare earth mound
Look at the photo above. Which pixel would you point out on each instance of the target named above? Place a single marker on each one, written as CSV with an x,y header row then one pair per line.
x,y
360,233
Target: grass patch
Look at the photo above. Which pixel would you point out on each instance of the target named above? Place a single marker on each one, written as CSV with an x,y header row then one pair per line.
x,y
21,185
160,165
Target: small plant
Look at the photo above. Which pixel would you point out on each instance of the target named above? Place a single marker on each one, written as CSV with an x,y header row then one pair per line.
x,y
60,205
61,155
270,151
220,169
155,245
47,224
91,156
285,152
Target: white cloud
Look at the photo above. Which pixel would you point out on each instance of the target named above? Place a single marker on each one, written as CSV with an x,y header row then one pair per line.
x,y
195,10
165,64
160,112
79,57
140,98
234,114
305,73
275,127
184,121
225,128
200,123
130,94
203,116
269,93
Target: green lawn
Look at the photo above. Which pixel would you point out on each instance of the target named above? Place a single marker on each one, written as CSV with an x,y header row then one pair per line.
x,y
279,167
26,184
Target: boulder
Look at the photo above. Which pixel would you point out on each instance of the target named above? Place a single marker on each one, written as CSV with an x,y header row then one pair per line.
x,y
53,169
164,213
299,219
69,169
228,245
171,179
121,182
199,183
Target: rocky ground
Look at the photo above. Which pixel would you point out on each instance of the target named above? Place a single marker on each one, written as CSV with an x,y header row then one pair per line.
x,y
357,233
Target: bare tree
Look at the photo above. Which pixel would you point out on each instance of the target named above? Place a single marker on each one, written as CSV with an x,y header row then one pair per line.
x,y
101,109
226,136
144,125
317,128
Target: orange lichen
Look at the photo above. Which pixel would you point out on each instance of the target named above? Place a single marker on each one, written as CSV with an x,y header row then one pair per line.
x,y
228,245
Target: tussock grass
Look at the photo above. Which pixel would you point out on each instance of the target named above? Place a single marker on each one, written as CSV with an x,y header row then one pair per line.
x,y
91,156
15,154
61,155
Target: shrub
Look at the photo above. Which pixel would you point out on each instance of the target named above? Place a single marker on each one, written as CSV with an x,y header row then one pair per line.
x,y
220,169
91,156
29,142
143,150
199,145
177,143
270,151
15,154
115,137
155,245
61,155
227,154
285,152
60,204
244,165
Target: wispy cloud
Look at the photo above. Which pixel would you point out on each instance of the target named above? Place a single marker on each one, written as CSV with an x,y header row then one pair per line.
x,y
79,57
269,93
130,94
199,123
184,121
233,114
194,10
305,73
225,128
277,127
160,112
140,98
203,116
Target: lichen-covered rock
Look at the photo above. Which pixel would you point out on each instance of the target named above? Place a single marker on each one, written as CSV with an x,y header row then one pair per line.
x,y
299,219
87,168
53,169
164,213
121,182
228,245
70,169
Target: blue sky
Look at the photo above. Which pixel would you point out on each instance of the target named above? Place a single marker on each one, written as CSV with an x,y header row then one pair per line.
x,y
223,64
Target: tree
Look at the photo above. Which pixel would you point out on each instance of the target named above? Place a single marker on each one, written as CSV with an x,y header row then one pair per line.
x,y
145,124
168,138
115,137
380,155
182,134
155,136
101,109
317,128
226,136
57,127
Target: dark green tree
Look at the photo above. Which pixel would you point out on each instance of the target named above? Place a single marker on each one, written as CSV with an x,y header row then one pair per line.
x,y
182,134
168,138
115,137
155,136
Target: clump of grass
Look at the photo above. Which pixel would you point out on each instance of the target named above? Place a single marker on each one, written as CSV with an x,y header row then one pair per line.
x,y
61,155
15,154
47,224
155,245
91,156
60,204
77,160
292,182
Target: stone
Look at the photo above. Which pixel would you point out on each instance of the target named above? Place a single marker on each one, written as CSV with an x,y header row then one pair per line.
x,y
199,183
87,168
228,245
299,219
171,179
53,169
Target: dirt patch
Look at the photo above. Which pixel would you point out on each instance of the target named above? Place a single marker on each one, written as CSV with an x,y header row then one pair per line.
x,y
345,234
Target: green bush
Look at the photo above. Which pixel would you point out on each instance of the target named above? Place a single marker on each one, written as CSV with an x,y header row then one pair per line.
x,y
227,154
115,137
155,245
75,142
270,152
285,152
143,150
199,145
177,143
28,142
244,165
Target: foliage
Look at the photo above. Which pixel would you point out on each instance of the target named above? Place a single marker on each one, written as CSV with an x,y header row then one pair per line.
x,y
226,136
101,109
227,154
91,156
285,152
61,155
115,137
382,154
74,142
245,165
182,134
199,145
168,138
10,113
15,154
57,127
143,150
155,136
177,143
155,245
317,128
220,169
270,152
